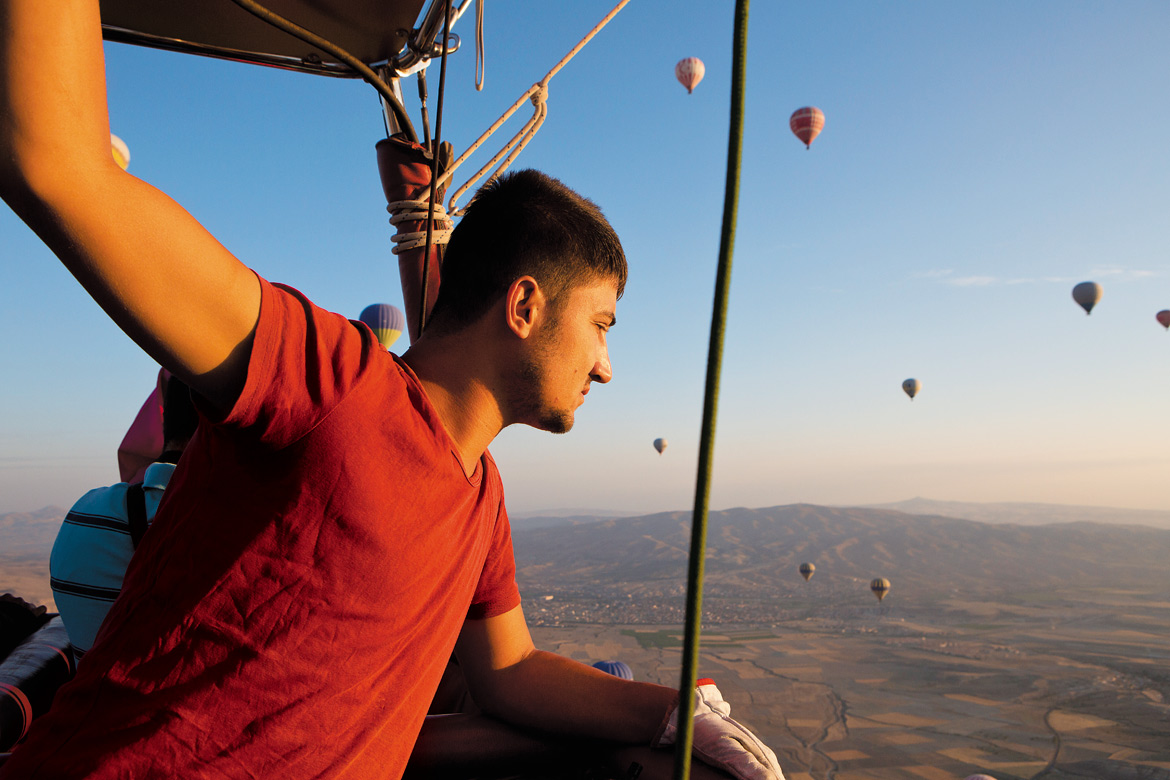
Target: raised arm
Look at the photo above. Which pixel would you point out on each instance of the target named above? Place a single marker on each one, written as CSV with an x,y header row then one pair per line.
x,y
156,271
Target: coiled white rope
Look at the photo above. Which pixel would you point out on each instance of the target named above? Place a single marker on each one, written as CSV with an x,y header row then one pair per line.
x,y
417,211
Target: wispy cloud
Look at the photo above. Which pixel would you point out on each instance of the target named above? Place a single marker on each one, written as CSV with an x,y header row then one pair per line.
x,y
1124,274
936,273
1111,273
972,281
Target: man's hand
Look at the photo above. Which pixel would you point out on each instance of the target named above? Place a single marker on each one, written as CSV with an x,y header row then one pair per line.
x,y
721,741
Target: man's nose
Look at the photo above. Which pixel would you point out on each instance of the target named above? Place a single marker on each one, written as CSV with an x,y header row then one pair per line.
x,y
602,372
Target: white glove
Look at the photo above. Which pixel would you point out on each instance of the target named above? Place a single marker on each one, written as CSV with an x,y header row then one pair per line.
x,y
721,741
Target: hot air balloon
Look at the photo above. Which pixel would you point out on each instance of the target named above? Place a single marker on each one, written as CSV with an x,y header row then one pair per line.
x,y
385,320
880,587
1164,318
1087,294
660,445
807,124
911,387
689,72
121,151
616,668
806,570
980,776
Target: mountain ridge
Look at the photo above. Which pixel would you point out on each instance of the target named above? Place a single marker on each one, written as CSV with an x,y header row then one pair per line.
x,y
1028,513
753,556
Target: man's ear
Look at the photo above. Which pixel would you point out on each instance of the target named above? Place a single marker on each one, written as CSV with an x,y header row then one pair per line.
x,y
523,305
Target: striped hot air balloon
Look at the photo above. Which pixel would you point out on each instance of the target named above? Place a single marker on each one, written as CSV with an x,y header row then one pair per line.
x,y
911,387
806,571
616,668
385,320
880,587
806,124
689,72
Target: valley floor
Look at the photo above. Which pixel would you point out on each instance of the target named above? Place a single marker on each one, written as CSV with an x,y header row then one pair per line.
x,y
1084,694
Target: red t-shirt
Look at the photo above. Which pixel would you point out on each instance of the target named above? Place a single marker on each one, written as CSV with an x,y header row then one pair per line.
x,y
292,608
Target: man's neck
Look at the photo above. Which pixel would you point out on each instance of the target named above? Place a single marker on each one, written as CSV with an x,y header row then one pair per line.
x,y
458,383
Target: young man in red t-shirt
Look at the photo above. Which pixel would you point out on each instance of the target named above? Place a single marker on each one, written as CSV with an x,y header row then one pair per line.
x,y
336,528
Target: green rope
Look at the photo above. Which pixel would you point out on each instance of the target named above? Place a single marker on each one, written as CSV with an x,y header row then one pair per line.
x,y
686,693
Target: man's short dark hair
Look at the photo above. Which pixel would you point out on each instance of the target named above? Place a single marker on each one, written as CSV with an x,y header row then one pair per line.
x,y
179,418
524,223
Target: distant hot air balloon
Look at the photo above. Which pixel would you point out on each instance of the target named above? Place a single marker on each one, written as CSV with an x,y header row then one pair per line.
x,y
880,587
806,570
807,124
385,320
911,387
1164,318
660,445
121,151
1087,294
689,72
616,668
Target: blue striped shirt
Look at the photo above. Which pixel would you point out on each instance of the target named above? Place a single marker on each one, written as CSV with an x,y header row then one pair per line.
x,y
91,553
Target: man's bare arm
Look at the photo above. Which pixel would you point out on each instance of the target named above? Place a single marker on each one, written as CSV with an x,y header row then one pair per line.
x,y
512,680
150,265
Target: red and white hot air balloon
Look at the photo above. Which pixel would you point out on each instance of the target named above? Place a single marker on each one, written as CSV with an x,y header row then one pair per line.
x,y
689,72
807,124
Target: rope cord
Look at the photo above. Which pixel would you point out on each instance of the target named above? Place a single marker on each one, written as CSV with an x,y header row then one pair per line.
x,y
340,54
686,697
537,94
435,155
480,72
417,211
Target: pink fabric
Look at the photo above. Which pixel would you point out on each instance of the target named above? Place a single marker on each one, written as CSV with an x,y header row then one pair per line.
x,y
143,442
291,610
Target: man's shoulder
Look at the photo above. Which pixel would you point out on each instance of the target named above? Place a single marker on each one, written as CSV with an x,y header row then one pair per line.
x,y
109,501
158,475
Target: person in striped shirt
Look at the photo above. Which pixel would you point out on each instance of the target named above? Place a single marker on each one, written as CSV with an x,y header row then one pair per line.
x,y
97,539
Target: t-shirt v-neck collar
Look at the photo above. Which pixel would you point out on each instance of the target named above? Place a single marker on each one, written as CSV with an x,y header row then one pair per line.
x,y
436,421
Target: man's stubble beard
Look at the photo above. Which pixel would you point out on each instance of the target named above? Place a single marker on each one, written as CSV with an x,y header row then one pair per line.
x,y
529,405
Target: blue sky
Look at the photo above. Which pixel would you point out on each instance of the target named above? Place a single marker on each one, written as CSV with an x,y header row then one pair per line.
x,y
978,160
